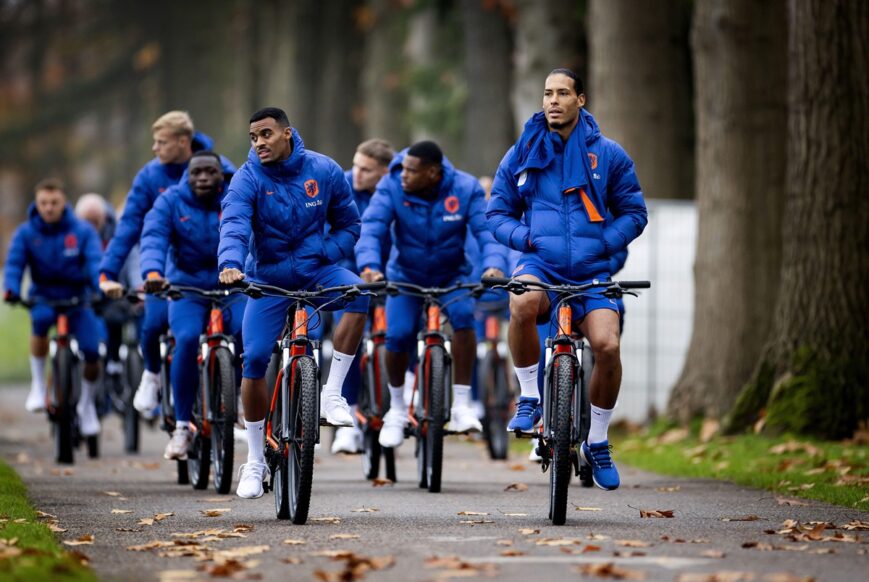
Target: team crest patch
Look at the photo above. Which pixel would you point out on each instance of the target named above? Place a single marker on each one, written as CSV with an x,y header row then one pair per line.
x,y
311,188
593,159
451,203
70,245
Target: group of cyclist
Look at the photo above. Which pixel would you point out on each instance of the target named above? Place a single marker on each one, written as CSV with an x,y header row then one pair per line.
x,y
565,203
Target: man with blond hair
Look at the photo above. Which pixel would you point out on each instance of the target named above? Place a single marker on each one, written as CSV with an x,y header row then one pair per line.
x,y
175,141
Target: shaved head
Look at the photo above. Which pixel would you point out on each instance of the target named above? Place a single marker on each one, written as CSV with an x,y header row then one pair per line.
x,y
92,208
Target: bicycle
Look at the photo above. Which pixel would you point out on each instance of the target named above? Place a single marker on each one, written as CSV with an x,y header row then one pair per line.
x,y
493,379
292,424
565,387
374,395
430,406
215,406
65,386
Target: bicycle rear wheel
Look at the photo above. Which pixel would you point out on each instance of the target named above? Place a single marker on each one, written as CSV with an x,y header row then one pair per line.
x,y
133,368
561,426
585,477
64,411
304,424
279,422
496,399
434,456
199,451
224,411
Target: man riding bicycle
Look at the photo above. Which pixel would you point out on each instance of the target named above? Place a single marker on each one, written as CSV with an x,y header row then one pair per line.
x,y
63,255
564,177
175,140
179,246
430,206
277,207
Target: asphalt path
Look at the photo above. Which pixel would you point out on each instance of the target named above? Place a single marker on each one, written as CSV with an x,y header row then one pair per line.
x,y
479,526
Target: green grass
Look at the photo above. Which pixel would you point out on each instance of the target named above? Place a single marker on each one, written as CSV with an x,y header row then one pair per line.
x,y
14,347
834,472
41,557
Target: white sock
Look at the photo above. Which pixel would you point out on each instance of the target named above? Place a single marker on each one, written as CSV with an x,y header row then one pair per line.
x,y
396,397
88,390
528,381
255,440
337,372
600,421
37,371
461,395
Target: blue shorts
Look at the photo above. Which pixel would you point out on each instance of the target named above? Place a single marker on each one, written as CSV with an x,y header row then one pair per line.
x,y
83,324
264,318
403,313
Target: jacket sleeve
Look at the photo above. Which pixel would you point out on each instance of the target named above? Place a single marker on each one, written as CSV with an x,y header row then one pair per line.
x,y
93,253
492,254
376,221
506,208
156,237
16,261
343,218
625,202
129,228
236,222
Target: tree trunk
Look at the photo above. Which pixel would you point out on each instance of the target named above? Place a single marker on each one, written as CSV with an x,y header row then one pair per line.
x,y
640,89
548,35
813,376
738,44
488,116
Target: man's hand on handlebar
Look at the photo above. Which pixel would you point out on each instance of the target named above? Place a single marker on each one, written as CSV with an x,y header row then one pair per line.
x,y
112,289
155,284
371,276
229,276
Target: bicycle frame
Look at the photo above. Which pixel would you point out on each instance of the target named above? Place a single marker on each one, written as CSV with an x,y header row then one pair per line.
x,y
428,337
376,338
562,344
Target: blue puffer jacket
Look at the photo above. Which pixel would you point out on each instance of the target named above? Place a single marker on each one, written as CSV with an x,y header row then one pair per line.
x,y
151,181
286,206
63,257
186,229
565,189
429,235
362,198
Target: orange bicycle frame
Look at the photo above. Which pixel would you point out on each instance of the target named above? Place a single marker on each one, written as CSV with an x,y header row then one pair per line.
x,y
565,322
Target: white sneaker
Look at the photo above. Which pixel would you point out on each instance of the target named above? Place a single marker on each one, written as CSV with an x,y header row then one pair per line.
x,y
88,421
145,400
348,439
533,456
176,448
463,418
36,398
392,432
251,476
336,411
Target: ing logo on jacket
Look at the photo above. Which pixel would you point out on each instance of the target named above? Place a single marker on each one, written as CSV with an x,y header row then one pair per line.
x,y
451,205
70,245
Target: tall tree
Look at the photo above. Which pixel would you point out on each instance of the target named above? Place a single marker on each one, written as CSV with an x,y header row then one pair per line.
x,y
813,376
488,130
740,86
640,88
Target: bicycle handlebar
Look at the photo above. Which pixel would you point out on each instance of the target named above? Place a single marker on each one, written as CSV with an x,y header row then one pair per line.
x,y
257,290
178,291
70,303
396,287
521,285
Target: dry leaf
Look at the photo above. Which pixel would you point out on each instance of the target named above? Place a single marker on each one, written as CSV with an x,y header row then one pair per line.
x,y
713,554
382,483
146,521
578,508
596,537
517,467
43,515
504,543
291,560
216,512
56,528
856,525
610,570
512,553
631,554
725,576
472,513
657,512
709,429
344,537
668,489
122,511
176,575
796,447
632,543
330,519
743,518
673,436
366,510
790,502
292,542
83,540
475,521
559,542
528,532
162,516
516,487
112,493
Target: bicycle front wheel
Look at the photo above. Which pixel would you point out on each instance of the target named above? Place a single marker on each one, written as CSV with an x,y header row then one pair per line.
x,y
493,381
304,423
435,375
561,427
224,411
64,409
133,368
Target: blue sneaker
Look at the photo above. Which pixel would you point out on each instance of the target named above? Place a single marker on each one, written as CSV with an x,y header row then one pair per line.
x,y
528,413
603,470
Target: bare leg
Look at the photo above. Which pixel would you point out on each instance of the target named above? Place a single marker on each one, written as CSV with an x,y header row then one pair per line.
x,y
464,353
38,346
522,336
601,329
349,332
254,398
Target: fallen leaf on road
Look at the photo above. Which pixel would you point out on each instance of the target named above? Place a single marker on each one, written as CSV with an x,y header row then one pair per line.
x,y
673,489
455,567
475,521
856,525
128,529
215,500
657,513
504,543
512,553
146,521
344,537
291,560
62,473
216,512
528,532
331,519
56,528
632,543
610,570
227,569
596,537
176,575
517,467
122,511
786,577
473,513
242,528
43,515
518,487
559,542
334,554
790,502
112,493
725,576
743,518
515,514
84,540
382,483
713,554
162,516
22,458
631,554
366,510
578,508
240,552
292,542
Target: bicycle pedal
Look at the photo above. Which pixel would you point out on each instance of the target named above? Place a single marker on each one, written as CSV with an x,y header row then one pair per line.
x,y
574,460
521,434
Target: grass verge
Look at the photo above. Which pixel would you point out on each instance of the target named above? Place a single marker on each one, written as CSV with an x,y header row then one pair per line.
x,y
15,347
833,472
28,548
